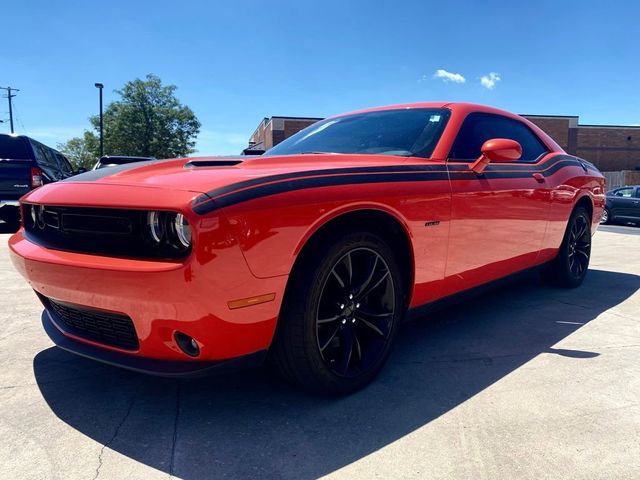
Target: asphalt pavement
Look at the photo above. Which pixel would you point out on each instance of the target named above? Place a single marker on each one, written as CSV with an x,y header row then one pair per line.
x,y
522,382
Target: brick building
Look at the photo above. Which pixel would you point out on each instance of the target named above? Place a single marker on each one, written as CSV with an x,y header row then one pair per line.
x,y
271,131
611,148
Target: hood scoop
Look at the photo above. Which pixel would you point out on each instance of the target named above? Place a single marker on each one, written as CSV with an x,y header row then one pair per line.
x,y
212,163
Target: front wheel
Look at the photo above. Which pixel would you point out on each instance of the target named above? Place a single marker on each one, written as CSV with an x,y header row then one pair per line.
x,y
340,314
570,266
605,218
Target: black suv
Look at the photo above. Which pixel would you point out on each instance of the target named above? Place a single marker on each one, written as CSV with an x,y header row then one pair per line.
x,y
24,165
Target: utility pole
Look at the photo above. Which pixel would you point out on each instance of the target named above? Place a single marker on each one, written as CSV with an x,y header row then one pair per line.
x,y
100,86
9,97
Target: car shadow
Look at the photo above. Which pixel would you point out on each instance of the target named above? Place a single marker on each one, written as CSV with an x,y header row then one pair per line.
x,y
251,425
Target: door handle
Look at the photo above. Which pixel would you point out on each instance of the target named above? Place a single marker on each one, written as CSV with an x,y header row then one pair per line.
x,y
539,177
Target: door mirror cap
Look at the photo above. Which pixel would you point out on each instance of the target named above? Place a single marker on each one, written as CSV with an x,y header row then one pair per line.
x,y
497,150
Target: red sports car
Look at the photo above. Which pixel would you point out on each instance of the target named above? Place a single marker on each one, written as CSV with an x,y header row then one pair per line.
x,y
311,255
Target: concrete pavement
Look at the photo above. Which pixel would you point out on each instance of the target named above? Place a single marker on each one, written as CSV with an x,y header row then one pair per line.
x,y
523,382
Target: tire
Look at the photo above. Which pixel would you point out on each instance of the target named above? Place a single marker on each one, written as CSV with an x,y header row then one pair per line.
x,y
11,217
328,341
606,217
570,267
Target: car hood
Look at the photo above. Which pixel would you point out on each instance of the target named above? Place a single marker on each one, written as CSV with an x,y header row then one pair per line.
x,y
205,174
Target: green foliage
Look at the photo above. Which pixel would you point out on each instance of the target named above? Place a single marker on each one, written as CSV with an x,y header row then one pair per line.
x,y
148,120
82,151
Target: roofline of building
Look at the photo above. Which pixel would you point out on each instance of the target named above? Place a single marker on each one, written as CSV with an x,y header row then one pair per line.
x,y
296,118
548,116
632,127
580,125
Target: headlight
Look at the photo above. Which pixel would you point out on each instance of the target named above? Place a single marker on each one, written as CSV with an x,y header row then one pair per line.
x,y
156,226
183,230
34,216
169,229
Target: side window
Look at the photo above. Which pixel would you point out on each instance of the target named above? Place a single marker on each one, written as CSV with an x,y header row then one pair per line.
x,y
63,164
477,128
624,192
46,161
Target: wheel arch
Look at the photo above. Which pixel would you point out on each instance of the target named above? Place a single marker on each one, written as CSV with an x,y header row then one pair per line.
x,y
375,219
586,202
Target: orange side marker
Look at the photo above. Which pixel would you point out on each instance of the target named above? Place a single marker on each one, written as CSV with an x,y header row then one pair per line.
x,y
247,302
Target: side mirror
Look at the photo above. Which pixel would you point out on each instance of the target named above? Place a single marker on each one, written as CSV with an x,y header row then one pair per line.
x,y
497,150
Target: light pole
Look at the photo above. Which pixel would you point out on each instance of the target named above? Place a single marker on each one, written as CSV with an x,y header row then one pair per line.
x,y
100,86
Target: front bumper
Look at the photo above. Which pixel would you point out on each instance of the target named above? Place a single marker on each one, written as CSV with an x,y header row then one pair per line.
x,y
161,368
161,298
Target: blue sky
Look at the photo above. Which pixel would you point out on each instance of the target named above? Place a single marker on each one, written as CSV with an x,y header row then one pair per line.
x,y
235,62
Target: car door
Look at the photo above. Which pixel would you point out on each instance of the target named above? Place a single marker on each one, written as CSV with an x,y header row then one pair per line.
x,y
636,205
623,202
498,217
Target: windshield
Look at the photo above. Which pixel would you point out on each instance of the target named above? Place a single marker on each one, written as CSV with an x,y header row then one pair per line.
x,y
406,132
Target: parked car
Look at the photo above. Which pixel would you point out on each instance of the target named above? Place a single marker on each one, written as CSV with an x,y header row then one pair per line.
x,y
114,160
26,164
310,255
622,205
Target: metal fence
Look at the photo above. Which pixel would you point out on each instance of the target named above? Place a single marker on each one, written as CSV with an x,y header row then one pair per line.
x,y
620,179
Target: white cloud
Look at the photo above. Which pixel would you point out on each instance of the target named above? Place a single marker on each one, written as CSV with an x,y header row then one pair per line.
x,y
449,76
489,81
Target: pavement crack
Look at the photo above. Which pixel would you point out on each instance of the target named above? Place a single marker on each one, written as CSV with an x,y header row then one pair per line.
x,y
114,436
175,431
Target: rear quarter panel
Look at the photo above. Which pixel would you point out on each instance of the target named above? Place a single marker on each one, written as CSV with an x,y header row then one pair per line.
x,y
569,186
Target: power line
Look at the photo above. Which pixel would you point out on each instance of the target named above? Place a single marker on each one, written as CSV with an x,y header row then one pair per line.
x,y
9,97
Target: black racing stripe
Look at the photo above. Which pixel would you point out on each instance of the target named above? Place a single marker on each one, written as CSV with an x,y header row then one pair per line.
x,y
310,173
529,167
281,183
313,182
391,169
488,174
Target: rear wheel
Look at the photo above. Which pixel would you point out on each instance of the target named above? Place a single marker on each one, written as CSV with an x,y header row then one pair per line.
x,y
570,266
340,314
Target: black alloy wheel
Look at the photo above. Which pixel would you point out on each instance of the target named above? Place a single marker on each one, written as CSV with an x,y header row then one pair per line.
x,y
570,266
340,312
355,313
579,246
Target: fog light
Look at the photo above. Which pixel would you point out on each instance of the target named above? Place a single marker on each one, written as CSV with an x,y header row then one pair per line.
x,y
187,344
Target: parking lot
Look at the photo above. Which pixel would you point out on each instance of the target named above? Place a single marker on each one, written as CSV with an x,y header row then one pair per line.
x,y
523,382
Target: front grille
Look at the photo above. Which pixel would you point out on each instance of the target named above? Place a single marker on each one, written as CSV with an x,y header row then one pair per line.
x,y
102,231
111,329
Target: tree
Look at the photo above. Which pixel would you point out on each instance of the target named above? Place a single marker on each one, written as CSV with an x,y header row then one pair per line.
x,y
82,151
148,121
